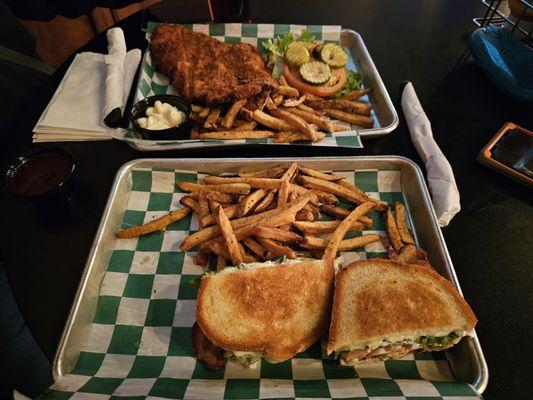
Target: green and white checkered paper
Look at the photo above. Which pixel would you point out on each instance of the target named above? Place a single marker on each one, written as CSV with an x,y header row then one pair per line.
x,y
152,82
139,344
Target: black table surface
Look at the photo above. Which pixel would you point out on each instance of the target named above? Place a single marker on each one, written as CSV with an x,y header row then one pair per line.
x,y
412,40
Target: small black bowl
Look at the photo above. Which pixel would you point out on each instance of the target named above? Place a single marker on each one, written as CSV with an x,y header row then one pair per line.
x,y
180,132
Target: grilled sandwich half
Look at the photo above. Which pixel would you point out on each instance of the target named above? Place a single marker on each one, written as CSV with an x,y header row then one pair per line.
x,y
384,309
270,310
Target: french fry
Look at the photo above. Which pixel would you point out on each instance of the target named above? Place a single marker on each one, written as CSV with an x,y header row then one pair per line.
x,y
216,247
266,202
191,203
198,109
258,183
232,188
231,211
155,225
311,242
351,107
355,94
314,210
246,114
211,121
270,105
213,205
290,137
272,122
222,262
203,205
255,247
339,127
294,102
312,118
336,189
278,99
319,175
275,172
247,258
204,112
343,213
305,215
225,198
246,126
277,234
324,226
251,200
326,197
231,241
401,223
334,241
288,91
272,218
230,116
296,121
359,120
392,231
282,81
236,134
277,249
289,174
283,193
351,187
308,109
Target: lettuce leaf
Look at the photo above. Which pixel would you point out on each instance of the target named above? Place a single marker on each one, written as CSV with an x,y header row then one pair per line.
x,y
353,82
279,44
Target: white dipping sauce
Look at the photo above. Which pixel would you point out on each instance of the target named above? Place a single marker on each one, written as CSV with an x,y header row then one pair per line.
x,y
161,116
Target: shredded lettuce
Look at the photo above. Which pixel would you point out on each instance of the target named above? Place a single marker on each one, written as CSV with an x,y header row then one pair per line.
x,y
437,341
353,82
279,44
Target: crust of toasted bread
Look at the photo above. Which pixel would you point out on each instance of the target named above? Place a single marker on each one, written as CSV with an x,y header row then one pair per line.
x,y
278,311
382,299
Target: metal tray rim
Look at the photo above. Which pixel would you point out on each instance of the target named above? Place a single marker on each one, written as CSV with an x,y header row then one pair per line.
x,y
482,380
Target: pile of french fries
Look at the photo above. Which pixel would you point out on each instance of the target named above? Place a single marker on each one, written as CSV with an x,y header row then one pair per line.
x,y
273,213
285,116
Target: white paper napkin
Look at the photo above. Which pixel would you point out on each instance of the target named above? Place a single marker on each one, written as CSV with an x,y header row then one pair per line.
x,y
441,180
88,89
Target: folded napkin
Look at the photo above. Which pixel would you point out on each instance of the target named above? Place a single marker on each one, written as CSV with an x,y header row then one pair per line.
x,y
440,176
94,86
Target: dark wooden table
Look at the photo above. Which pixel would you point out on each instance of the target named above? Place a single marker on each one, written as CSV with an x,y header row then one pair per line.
x,y
409,40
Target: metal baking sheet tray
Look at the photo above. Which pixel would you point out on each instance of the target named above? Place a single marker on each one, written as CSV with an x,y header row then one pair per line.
x,y
385,115
466,359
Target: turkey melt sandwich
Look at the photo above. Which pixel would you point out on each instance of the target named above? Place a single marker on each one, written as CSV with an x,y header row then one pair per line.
x,y
270,310
383,309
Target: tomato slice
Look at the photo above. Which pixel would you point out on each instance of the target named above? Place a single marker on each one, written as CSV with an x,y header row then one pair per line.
x,y
295,80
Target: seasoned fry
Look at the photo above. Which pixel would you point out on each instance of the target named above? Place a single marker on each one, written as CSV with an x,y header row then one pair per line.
x,y
155,225
392,231
259,183
296,121
227,232
275,172
231,211
270,105
334,241
355,94
351,187
277,234
351,107
336,189
217,247
225,198
266,202
401,223
277,249
246,114
288,91
305,215
294,102
213,205
211,121
251,200
277,99
236,134
343,213
360,120
255,247
238,188
272,218
315,119
203,205
319,175
308,109
290,137
339,127
222,262
229,118
247,258
311,242
289,174
191,203
283,193
324,226
326,197
272,122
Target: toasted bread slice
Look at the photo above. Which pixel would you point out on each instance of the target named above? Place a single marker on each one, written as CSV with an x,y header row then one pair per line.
x,y
377,300
278,311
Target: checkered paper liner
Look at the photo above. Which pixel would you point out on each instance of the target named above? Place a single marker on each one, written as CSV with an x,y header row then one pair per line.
x,y
152,82
139,344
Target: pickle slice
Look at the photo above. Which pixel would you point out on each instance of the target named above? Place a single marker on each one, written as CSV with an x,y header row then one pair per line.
x,y
333,55
296,54
315,72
